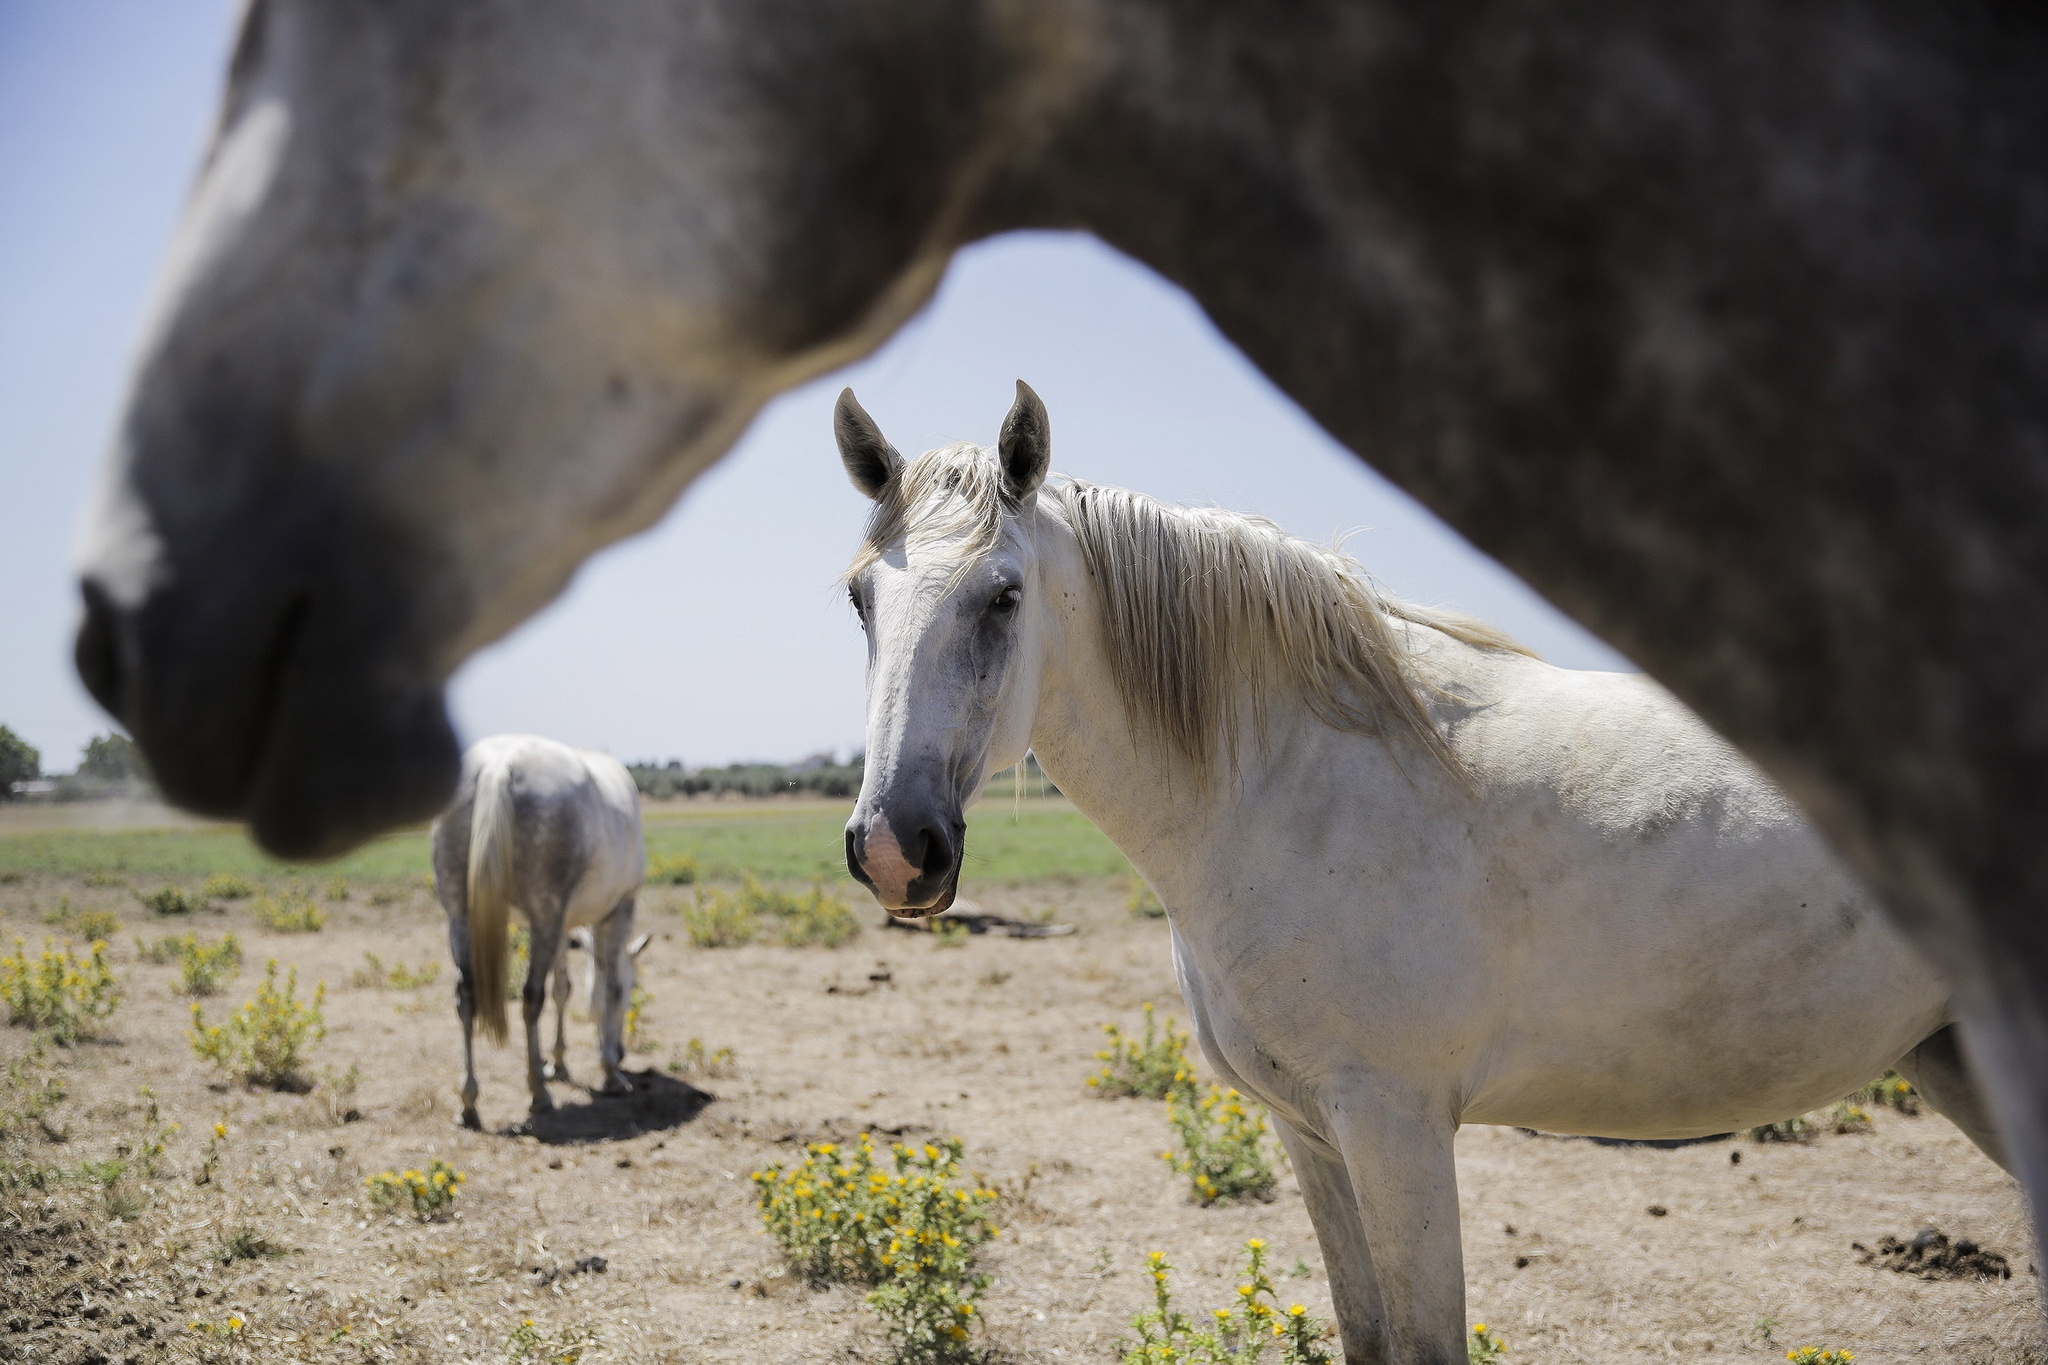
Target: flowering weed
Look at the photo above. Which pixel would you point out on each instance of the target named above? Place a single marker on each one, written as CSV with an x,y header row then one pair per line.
x,y
1148,1066
66,994
201,965
1818,1355
426,1195
522,959
1889,1091
671,869
1483,1345
266,1040
374,975
718,921
906,1229
292,913
1237,1335
1223,1144
171,900
694,1059
565,1347
227,886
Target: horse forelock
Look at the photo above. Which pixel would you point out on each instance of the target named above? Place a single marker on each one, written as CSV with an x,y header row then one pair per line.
x,y
947,505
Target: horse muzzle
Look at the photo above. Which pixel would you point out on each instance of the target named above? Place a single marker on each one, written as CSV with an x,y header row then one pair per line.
x,y
913,873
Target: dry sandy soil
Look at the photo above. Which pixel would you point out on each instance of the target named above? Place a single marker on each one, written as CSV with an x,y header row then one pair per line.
x,y
990,1040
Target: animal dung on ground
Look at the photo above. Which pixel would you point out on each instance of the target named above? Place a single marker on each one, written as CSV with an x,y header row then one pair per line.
x,y
1658,1210
1931,1255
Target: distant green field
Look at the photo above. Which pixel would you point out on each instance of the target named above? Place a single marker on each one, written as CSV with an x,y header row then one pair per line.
x,y
1046,839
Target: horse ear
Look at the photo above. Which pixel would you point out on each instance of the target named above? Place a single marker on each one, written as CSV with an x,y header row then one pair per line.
x,y
1026,444
869,458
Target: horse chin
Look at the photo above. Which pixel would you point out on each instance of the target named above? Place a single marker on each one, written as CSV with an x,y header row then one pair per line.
x,y
940,906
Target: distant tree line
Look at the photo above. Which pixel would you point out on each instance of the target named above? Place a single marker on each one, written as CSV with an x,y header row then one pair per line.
x,y
816,776
111,766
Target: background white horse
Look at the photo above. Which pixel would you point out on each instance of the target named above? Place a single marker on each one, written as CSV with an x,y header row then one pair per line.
x,y
552,833
1416,877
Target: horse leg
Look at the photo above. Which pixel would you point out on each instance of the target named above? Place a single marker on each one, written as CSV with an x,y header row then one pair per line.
x,y
465,1010
545,939
558,1068
609,948
1397,1148
1940,1072
1347,1260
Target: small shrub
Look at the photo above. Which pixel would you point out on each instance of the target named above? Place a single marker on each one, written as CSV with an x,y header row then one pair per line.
x,y
65,994
1819,1355
105,880
209,1160
663,869
227,1329
29,1090
1483,1345
1799,1128
1141,901
1147,1066
170,900
1889,1091
228,886
201,965
816,917
1240,1334
908,1231
693,1059
141,1155
336,889
1847,1117
1223,1144
948,932
96,924
265,1041
374,975
636,1009
564,1347
246,1244
718,920
426,1195
292,913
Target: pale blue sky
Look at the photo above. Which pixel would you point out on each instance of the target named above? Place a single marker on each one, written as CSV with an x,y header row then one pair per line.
x,y
720,634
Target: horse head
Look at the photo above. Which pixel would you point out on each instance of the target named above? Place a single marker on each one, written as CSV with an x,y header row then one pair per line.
x,y
946,589
462,294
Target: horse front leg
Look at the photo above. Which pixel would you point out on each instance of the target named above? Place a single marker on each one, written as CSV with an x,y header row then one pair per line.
x,y
546,941
1347,1257
1397,1150
465,1010
610,948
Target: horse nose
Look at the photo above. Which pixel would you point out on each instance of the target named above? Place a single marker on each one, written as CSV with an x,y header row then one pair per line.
x,y
97,651
853,864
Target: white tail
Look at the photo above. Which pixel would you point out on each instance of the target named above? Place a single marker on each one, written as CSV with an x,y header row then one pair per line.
x,y
490,894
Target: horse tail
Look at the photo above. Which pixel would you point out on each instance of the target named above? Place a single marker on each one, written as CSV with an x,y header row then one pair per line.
x,y
490,894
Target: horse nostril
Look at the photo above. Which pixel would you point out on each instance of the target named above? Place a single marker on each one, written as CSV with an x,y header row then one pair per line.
x,y
853,867
97,651
935,858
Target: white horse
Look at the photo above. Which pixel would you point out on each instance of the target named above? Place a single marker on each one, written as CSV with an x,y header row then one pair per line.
x,y
553,833
1416,877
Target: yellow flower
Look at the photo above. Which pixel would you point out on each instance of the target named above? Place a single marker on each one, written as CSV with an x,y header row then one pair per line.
x,y
1223,1315
1479,1329
1256,1244
1295,1310
220,1130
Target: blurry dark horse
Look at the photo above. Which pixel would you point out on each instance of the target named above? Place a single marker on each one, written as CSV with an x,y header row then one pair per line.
x,y
1726,326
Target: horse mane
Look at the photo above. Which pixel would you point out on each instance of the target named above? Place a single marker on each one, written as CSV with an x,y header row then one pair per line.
x,y
1203,608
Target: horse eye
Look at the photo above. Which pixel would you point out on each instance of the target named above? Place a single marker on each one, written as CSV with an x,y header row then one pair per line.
x,y
859,608
1006,601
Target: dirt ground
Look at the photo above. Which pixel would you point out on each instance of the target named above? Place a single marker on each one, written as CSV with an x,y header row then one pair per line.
x,y
898,1034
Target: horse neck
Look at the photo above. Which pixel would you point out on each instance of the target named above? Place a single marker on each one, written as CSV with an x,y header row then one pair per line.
x,y
1126,781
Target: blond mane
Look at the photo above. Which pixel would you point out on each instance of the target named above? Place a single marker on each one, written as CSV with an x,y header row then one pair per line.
x,y
1203,609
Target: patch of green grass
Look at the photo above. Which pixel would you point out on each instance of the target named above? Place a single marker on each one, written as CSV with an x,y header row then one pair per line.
x,y
1043,839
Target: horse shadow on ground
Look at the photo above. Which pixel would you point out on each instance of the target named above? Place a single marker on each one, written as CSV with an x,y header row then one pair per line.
x,y
658,1104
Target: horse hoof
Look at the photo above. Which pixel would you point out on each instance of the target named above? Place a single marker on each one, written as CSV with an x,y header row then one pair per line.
x,y
555,1071
470,1121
